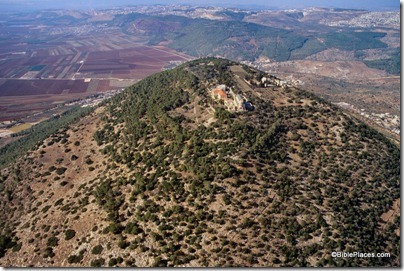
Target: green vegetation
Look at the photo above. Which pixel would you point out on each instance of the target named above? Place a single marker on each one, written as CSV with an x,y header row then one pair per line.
x,y
53,241
69,234
48,253
202,37
37,68
115,261
186,181
292,151
61,170
21,127
75,258
97,263
6,242
97,249
310,46
391,65
58,202
240,40
353,41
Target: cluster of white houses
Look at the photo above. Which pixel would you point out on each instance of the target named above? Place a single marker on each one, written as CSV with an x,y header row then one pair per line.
x,y
266,82
233,101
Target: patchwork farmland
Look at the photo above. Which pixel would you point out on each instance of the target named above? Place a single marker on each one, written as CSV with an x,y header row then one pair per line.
x,y
41,67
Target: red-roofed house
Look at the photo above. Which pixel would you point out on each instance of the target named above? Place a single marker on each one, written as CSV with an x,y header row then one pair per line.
x,y
219,94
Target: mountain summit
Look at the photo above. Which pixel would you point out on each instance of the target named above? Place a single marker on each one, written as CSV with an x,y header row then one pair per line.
x,y
212,163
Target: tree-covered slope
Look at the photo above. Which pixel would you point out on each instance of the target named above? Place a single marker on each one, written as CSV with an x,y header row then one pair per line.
x,y
239,40
170,176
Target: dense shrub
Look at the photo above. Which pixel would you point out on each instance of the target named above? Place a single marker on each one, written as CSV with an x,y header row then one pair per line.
x,y
69,234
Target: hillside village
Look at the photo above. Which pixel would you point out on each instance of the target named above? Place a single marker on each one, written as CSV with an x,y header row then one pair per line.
x,y
388,121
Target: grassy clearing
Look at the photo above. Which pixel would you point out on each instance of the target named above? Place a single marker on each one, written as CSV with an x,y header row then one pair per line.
x,y
21,127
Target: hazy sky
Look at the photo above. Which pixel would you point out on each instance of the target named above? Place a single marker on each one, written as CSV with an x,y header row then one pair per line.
x,y
253,4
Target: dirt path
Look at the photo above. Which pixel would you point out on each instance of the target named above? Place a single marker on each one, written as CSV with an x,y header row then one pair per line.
x,y
391,214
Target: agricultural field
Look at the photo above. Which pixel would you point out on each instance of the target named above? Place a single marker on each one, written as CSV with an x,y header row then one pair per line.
x,y
131,63
43,66
21,127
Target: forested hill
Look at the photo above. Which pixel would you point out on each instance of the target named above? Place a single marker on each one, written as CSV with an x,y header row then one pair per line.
x,y
172,172
241,40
